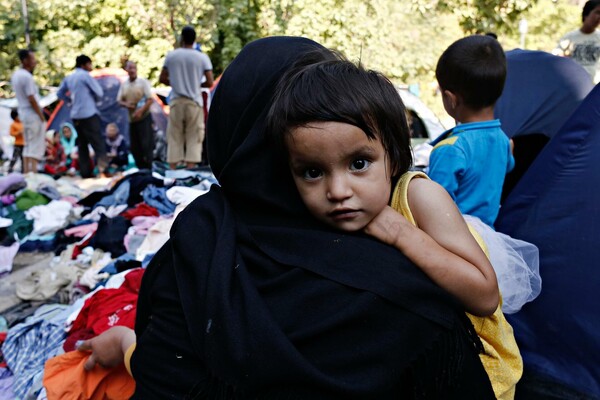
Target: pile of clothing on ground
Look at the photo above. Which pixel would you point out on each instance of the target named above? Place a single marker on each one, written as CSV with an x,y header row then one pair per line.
x,y
102,243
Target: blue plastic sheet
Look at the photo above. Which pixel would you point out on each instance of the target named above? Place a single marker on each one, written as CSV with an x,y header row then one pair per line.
x,y
556,206
541,92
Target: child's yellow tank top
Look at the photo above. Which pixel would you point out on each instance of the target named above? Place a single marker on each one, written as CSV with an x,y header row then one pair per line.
x,y
501,358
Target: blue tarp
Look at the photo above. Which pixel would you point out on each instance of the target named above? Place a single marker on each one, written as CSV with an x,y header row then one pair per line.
x,y
540,93
556,206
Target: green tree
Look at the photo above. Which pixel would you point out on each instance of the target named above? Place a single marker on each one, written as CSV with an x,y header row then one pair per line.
x,y
478,16
403,40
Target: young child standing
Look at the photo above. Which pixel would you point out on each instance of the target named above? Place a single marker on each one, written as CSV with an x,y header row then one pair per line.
x,y
347,139
471,160
16,131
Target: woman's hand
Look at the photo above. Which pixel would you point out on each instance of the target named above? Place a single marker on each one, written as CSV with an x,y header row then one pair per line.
x,y
108,349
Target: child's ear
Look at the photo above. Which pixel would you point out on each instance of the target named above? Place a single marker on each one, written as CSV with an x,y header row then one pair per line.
x,y
451,98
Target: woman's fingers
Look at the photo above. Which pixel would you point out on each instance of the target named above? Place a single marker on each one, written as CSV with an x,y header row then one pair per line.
x,y
90,363
84,345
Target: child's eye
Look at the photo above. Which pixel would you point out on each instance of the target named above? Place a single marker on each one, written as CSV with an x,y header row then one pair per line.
x,y
312,173
360,165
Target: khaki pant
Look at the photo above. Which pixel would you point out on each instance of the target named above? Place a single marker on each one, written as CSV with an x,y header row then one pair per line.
x,y
185,131
34,133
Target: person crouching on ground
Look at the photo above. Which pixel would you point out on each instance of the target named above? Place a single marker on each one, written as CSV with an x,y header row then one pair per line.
x,y
117,150
68,139
56,159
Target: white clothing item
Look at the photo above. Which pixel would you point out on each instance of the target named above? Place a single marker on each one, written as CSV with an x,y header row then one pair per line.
x,y
7,256
421,154
183,195
5,222
157,236
584,49
110,212
49,218
92,276
35,180
67,188
186,68
24,86
516,263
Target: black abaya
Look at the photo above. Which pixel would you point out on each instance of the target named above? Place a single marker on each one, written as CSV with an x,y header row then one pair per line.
x,y
253,298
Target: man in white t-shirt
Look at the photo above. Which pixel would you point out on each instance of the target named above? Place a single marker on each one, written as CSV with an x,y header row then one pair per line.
x,y
183,70
135,94
30,111
583,44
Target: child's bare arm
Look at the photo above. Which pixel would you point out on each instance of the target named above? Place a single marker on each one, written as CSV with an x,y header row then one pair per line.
x,y
442,246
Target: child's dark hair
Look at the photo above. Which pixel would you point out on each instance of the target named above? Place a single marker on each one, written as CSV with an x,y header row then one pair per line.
x,y
588,7
336,90
23,54
14,114
474,68
188,35
81,60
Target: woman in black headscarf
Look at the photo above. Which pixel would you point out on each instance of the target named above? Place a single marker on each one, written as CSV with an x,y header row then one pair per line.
x,y
252,298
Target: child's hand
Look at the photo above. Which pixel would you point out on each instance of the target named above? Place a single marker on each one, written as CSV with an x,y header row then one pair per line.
x,y
388,226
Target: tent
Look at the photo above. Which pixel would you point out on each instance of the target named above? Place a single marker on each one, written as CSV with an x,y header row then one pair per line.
x,y
540,93
555,206
110,111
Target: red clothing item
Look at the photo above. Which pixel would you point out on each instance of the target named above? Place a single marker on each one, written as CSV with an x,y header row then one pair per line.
x,y
140,210
2,339
56,159
66,379
108,308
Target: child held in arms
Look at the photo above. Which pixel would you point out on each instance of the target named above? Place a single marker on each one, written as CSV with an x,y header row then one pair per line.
x,y
349,152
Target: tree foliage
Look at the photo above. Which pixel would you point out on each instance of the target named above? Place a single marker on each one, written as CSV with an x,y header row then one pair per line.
x,y
401,39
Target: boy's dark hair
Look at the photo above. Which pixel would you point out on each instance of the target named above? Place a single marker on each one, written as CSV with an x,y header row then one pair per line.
x,y
23,54
81,60
588,7
188,35
474,68
336,90
14,114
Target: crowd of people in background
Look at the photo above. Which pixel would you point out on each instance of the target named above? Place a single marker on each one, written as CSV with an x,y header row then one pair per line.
x,y
186,69
81,147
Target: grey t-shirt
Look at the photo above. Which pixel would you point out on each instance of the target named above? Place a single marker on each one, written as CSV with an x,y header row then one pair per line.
x,y
24,86
186,68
